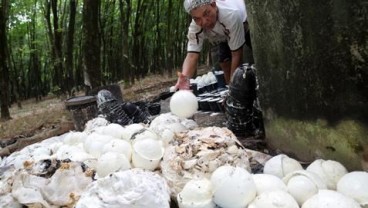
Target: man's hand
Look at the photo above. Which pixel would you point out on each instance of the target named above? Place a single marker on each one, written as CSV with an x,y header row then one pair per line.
x,y
183,82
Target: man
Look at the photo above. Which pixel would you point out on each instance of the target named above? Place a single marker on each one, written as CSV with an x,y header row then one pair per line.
x,y
222,22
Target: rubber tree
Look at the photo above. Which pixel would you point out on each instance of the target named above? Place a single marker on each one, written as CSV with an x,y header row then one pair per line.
x,y
4,70
311,57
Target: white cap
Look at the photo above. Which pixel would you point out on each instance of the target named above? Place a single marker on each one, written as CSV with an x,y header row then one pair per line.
x,y
192,4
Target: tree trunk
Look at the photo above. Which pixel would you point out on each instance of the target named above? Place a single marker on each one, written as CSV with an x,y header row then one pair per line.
x,y
125,18
140,66
4,70
157,63
14,75
47,15
169,38
91,46
311,58
57,32
34,74
69,47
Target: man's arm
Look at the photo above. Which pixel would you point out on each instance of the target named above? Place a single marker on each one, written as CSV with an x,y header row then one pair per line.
x,y
189,68
190,64
236,60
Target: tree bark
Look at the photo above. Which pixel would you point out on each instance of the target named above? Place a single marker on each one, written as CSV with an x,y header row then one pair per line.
x,y
91,46
311,59
125,19
69,47
57,32
4,70
34,73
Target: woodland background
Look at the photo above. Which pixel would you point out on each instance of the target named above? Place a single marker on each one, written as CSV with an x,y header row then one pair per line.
x,y
62,46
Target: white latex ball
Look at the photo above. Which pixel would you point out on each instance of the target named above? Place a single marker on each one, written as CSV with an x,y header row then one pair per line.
x,y
161,121
72,152
281,165
176,127
119,146
41,153
266,182
355,185
330,199
302,185
274,199
114,130
189,124
75,137
211,77
183,103
92,124
147,153
196,194
233,187
201,82
147,133
204,79
167,136
330,171
130,130
94,143
110,162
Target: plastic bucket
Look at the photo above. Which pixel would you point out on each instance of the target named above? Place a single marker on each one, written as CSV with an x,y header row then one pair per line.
x,y
83,109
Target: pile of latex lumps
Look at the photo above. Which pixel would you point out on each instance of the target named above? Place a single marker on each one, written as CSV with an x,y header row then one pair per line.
x,y
79,159
284,184
197,153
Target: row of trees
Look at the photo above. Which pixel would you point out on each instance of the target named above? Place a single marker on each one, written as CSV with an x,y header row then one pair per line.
x,y
61,45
